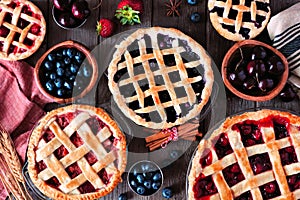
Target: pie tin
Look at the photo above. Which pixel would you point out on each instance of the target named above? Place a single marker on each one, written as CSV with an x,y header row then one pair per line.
x,y
217,125
140,163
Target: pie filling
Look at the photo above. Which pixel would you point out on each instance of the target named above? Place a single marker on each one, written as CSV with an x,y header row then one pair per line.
x,y
129,91
35,29
73,170
259,19
251,135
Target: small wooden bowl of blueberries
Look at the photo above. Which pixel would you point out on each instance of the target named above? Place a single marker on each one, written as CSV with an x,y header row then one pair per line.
x,y
254,71
66,72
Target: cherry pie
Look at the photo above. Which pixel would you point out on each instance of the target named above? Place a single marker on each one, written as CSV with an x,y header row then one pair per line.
x,y
239,19
76,152
22,29
255,155
160,77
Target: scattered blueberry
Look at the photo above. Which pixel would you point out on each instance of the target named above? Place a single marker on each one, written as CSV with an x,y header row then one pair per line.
x,y
48,65
50,85
122,196
140,190
167,193
140,178
195,17
192,2
61,92
147,184
52,76
157,176
156,185
174,154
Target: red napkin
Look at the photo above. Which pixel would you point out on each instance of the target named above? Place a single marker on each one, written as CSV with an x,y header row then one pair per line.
x,y
21,104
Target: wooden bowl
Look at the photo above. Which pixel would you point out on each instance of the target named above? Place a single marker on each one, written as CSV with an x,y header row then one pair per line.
x,y
88,57
234,54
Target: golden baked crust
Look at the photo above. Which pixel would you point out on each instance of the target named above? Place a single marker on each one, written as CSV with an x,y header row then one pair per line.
x,y
157,54
20,49
241,153
38,150
238,21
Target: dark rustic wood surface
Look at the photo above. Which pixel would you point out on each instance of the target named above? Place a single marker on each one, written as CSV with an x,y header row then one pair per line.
x,y
155,15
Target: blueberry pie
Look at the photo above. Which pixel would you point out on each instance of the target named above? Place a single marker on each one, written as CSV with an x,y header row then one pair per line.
x,y
22,29
76,152
160,77
255,155
239,19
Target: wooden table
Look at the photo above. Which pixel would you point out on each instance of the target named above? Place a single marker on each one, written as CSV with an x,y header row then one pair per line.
x,y
155,15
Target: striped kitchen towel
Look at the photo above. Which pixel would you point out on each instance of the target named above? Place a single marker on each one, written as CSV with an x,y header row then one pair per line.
x,y
284,31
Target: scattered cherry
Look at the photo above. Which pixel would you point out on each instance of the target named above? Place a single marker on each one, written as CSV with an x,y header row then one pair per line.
x,y
287,94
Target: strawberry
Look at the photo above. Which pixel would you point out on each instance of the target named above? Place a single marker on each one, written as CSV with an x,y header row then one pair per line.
x,y
128,11
105,27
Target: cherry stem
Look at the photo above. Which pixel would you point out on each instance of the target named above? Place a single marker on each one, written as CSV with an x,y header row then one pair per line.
x,y
98,5
238,64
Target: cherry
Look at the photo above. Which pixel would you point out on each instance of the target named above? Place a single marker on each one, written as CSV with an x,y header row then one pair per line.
x,y
266,84
270,188
275,66
80,9
4,31
260,68
66,20
251,68
287,94
250,83
258,53
62,5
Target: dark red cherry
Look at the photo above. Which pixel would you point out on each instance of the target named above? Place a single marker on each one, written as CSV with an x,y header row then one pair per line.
x,y
287,94
4,31
258,53
66,20
62,4
266,84
270,188
260,68
275,66
80,9
251,68
250,83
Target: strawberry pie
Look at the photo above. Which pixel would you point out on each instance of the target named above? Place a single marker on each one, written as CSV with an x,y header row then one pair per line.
x,y
76,152
255,155
22,29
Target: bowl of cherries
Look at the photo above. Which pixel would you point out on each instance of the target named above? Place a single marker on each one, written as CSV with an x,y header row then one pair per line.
x,y
66,72
254,70
70,14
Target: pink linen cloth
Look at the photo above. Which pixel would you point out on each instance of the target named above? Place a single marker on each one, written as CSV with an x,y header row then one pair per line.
x,y
21,104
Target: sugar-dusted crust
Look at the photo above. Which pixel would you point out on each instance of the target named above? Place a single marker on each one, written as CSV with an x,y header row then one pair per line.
x,y
37,39
119,98
225,127
35,139
217,21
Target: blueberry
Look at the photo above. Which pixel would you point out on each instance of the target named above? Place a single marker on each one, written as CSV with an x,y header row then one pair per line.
x,y
72,78
61,92
122,196
51,57
68,73
155,185
145,167
157,176
140,178
53,76
60,64
71,52
67,60
167,193
79,57
87,71
192,2
58,55
140,190
58,83
147,184
48,65
147,175
74,68
49,86
135,171
133,183
60,71
64,52
68,85
174,154
195,17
